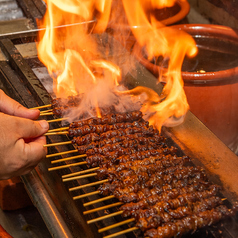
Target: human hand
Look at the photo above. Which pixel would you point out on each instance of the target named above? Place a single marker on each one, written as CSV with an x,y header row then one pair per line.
x,y
21,145
21,141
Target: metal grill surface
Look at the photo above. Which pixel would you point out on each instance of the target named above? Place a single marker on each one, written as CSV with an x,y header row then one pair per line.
x,y
20,82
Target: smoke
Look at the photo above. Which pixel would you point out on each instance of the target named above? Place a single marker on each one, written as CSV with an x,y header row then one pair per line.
x,y
106,99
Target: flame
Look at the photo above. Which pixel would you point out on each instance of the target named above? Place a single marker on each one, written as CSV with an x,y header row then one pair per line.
x,y
78,66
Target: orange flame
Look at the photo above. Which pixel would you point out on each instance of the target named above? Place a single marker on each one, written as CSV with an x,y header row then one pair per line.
x,y
78,66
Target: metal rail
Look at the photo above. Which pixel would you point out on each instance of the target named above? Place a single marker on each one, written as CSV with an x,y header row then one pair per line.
x,y
42,29
46,207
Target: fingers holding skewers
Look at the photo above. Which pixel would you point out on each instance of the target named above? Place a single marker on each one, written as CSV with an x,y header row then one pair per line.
x,y
22,140
22,144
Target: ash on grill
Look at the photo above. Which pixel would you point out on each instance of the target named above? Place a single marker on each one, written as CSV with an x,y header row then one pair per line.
x,y
161,191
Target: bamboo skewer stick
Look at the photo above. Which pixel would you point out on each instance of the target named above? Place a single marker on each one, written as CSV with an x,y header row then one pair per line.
x,y
56,133
63,153
85,195
122,232
64,166
46,114
98,200
79,163
88,185
70,158
49,110
59,143
79,177
80,172
116,225
58,119
40,107
59,129
102,208
104,217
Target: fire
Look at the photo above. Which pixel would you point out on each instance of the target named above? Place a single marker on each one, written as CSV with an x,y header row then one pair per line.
x,y
79,65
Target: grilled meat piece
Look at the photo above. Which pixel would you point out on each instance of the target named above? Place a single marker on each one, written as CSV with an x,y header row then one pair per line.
x,y
85,140
61,106
92,137
116,157
129,183
138,194
109,119
154,196
100,147
70,101
158,162
130,128
191,223
181,200
146,131
134,144
164,215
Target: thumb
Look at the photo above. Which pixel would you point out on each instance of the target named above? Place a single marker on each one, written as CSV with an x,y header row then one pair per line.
x,y
32,129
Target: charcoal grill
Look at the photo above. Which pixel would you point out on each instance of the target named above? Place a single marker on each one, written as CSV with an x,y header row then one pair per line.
x,y
63,215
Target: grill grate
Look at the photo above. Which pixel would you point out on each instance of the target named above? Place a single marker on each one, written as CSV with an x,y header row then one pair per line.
x,y
20,82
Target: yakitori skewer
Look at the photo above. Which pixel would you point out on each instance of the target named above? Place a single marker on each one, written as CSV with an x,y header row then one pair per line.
x,y
88,185
142,166
116,225
40,107
62,153
122,232
104,217
46,113
85,195
80,172
79,177
102,208
56,133
59,129
98,200
64,166
78,163
58,144
69,158
58,119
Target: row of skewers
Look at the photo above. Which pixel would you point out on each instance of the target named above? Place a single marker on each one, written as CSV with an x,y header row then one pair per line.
x,y
162,193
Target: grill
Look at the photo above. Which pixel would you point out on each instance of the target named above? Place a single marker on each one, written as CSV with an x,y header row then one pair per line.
x,y
63,215
24,78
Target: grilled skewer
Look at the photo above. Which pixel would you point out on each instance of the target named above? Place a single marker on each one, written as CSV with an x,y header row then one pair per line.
x,y
163,194
191,223
109,119
153,196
